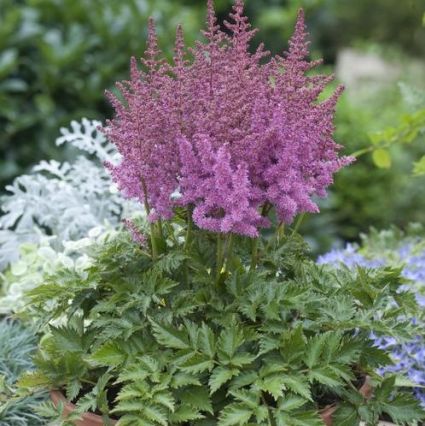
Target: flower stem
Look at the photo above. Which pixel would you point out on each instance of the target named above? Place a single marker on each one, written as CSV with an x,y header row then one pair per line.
x,y
152,225
298,224
254,253
280,231
153,242
187,242
188,229
219,257
229,249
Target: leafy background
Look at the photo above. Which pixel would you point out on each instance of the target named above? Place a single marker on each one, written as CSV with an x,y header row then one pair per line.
x,y
58,56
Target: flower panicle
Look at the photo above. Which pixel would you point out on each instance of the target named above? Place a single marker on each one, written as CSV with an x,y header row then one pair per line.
x,y
231,132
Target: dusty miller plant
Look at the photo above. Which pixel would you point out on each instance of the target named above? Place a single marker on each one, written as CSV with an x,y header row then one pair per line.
x,y
61,200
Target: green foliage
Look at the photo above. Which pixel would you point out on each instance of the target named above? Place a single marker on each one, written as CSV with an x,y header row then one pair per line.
x,y
59,56
365,195
261,345
411,128
342,23
16,347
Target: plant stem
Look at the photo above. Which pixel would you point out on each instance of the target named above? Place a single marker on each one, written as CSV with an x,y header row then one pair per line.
x,y
187,242
161,232
298,224
254,254
280,231
229,249
364,151
151,225
188,229
219,257
153,242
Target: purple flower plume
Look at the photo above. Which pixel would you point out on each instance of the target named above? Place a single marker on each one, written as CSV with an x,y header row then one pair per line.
x,y
135,232
231,131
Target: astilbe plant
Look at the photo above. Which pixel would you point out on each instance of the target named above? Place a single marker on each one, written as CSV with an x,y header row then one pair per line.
x,y
224,131
168,333
145,342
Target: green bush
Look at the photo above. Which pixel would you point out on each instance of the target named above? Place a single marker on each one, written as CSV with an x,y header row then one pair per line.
x,y
168,342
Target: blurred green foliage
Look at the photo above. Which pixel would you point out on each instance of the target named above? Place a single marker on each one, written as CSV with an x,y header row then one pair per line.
x,y
57,57
397,23
379,189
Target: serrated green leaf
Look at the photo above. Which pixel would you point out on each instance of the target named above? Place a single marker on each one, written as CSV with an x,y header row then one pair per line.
x,y
249,397
197,397
73,389
110,354
346,415
298,385
325,376
182,379
314,349
68,339
185,413
274,385
299,418
219,377
207,342
135,420
169,336
197,363
234,414
244,379
291,402
165,399
293,344
156,414
229,341
404,408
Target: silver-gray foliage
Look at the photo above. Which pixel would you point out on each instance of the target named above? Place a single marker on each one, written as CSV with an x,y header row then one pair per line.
x,y
17,346
62,199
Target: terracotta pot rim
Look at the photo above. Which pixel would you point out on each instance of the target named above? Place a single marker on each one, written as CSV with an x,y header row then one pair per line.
x,y
57,396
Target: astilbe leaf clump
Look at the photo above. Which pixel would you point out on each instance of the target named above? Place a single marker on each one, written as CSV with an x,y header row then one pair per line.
x,y
274,344
224,131
404,250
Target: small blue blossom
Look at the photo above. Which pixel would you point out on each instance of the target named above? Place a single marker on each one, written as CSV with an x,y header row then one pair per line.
x,y
348,257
